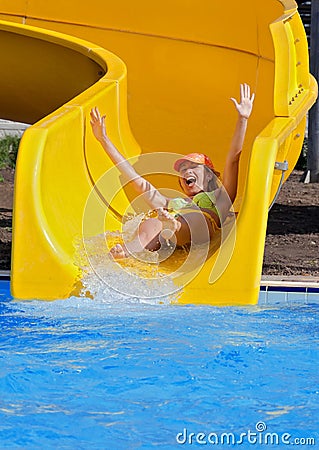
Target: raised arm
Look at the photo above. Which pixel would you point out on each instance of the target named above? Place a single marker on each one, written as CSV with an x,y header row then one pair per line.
x,y
244,109
151,195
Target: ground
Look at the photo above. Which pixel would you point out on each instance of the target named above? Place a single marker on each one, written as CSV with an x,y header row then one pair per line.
x,y
6,200
292,242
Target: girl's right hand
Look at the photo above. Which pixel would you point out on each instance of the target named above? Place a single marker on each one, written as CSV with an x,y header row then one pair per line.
x,y
98,125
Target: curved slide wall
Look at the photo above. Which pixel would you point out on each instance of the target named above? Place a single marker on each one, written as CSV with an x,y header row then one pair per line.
x,y
56,167
184,62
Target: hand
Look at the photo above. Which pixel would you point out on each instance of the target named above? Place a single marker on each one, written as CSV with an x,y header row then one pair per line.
x,y
98,125
169,223
245,106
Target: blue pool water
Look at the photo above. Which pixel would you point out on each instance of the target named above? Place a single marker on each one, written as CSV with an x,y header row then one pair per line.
x,y
102,374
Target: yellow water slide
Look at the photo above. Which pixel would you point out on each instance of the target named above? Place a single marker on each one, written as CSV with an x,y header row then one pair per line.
x,y
176,66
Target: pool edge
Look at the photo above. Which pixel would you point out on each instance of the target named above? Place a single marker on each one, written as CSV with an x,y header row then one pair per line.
x,y
4,275
272,283
291,283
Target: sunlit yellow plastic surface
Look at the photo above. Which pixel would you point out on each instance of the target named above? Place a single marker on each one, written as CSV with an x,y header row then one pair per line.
x,y
182,69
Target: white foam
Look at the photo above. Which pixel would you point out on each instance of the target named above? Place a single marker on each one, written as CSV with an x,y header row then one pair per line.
x,y
111,282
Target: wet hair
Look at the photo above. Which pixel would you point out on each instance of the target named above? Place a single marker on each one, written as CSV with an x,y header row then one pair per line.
x,y
213,183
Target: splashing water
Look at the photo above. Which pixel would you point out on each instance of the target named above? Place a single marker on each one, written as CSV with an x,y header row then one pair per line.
x,y
131,280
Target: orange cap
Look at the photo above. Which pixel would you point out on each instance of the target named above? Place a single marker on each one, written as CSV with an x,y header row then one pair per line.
x,y
198,158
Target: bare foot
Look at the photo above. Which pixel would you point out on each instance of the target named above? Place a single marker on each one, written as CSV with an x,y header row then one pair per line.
x,y
170,224
118,252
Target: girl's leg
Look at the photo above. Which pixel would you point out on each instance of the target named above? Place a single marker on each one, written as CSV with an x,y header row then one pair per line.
x,y
147,238
195,228
192,227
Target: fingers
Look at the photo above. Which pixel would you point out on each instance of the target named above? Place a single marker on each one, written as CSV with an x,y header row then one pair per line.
x,y
245,92
95,114
245,104
163,214
93,117
234,101
242,92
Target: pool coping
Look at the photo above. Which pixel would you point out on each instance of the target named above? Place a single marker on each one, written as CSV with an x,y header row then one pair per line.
x,y
268,283
290,283
4,275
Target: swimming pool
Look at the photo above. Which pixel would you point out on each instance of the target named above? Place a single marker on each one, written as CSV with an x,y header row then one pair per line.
x,y
119,374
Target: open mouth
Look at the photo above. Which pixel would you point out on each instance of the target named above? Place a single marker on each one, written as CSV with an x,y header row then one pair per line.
x,y
190,181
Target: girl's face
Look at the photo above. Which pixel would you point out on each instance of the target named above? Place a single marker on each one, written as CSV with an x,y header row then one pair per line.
x,y
194,178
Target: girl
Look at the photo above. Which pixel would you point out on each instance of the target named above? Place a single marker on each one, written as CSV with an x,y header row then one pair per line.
x,y
178,219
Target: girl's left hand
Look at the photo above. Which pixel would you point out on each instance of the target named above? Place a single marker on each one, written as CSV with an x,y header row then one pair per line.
x,y
245,106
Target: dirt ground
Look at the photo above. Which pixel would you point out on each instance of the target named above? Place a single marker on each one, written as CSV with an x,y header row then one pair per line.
x,y
292,242
6,201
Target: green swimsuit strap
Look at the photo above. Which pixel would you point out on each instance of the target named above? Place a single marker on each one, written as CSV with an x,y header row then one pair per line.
x,y
206,200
